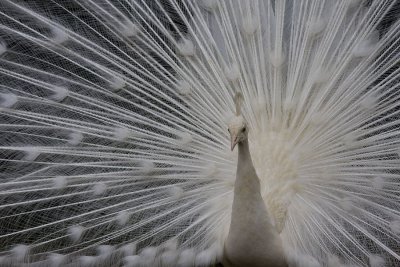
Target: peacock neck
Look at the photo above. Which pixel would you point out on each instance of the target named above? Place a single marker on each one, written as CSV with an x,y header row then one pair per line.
x,y
251,226
244,153
246,176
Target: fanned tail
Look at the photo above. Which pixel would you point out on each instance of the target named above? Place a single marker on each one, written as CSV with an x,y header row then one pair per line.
x,y
114,148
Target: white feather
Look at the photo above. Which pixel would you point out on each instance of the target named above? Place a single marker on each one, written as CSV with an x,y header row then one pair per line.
x,y
56,259
87,260
376,261
58,35
128,249
132,261
130,29
8,100
3,48
59,182
114,118
250,25
122,217
75,232
184,88
99,188
186,258
186,47
232,72
117,83
209,4
31,153
395,227
20,252
60,93
75,138
121,133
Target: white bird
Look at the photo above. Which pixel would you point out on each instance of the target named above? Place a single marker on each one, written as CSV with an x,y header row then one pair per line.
x,y
114,149
252,240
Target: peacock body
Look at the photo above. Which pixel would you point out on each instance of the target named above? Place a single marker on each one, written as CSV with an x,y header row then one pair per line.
x,y
114,142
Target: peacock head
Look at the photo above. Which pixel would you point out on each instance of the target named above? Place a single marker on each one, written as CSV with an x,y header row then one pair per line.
x,y
238,127
238,130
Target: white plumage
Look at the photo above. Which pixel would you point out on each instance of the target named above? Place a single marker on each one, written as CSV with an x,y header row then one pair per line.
x,y
114,149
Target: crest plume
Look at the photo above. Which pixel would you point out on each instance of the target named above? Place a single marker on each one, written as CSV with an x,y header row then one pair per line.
x,y
238,103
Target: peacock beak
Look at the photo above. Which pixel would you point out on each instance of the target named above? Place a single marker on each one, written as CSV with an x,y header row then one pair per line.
x,y
234,141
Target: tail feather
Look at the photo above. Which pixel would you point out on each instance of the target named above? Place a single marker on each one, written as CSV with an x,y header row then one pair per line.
x,y
113,128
